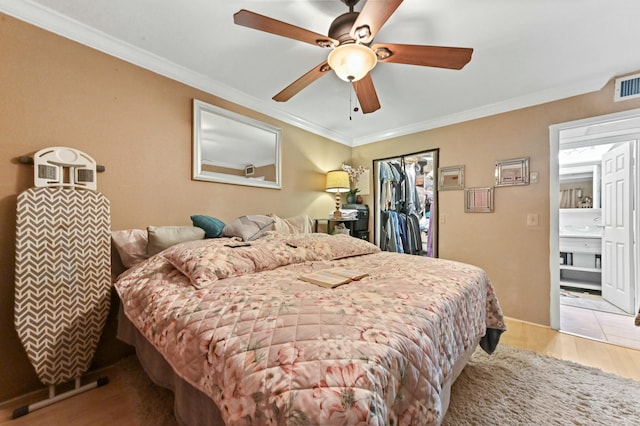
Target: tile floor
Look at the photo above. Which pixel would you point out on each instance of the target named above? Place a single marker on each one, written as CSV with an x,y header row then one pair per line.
x,y
615,328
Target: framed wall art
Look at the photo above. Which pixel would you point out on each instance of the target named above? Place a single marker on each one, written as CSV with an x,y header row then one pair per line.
x,y
478,200
512,172
451,177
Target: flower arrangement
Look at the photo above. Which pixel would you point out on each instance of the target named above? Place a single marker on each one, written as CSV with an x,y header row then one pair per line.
x,y
353,172
354,175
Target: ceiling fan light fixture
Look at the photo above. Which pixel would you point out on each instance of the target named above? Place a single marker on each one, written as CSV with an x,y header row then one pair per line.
x,y
352,62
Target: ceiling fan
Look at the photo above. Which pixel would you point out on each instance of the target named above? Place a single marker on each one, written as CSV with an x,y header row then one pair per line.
x,y
352,55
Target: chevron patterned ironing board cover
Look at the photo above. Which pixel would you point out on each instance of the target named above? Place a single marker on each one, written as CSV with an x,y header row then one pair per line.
x,y
63,278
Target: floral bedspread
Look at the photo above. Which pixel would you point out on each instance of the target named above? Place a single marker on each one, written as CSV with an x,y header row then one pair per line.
x,y
268,348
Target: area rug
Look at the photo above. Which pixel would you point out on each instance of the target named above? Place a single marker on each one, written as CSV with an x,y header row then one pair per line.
x,y
510,387
518,387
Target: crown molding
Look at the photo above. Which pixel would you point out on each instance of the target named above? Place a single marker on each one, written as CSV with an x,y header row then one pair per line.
x,y
587,86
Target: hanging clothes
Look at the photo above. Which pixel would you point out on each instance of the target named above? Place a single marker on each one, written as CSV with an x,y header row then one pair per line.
x,y
404,202
398,186
387,182
414,239
432,214
410,192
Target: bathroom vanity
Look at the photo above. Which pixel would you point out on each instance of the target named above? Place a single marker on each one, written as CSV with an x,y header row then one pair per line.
x,y
580,248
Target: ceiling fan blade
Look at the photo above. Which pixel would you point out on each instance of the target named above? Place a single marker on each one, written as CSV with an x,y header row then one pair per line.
x,y
264,23
367,95
374,14
308,78
428,56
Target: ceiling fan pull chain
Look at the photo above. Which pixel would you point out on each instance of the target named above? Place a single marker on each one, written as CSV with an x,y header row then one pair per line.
x,y
355,109
350,97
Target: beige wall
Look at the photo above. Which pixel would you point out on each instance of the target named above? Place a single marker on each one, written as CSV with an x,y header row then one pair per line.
x,y
138,125
515,256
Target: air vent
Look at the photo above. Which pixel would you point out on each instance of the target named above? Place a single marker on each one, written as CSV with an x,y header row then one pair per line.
x,y
627,88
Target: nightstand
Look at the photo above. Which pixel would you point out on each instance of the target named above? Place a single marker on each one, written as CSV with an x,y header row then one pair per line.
x,y
349,223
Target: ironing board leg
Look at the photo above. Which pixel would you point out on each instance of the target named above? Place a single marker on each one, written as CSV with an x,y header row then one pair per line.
x,y
53,398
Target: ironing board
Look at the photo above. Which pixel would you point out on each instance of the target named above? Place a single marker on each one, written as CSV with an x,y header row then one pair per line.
x,y
63,270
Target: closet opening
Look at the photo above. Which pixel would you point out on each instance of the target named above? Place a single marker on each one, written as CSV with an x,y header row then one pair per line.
x,y
405,203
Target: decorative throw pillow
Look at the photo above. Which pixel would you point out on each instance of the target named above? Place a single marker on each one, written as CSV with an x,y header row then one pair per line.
x,y
212,227
302,224
281,226
248,227
131,245
161,237
332,247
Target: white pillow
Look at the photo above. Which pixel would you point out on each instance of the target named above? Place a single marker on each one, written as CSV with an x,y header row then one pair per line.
x,y
131,245
302,223
162,237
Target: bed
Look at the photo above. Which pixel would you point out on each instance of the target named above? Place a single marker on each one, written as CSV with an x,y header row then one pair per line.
x,y
242,340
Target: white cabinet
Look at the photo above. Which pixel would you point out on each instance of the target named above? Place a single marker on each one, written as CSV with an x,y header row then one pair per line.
x,y
580,262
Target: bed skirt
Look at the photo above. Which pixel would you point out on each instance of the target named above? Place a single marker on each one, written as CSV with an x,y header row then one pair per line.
x,y
194,408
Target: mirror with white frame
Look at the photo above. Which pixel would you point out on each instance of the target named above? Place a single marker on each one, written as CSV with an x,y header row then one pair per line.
x,y
232,148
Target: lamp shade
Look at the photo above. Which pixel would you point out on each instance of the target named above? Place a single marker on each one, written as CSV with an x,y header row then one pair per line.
x,y
337,181
351,62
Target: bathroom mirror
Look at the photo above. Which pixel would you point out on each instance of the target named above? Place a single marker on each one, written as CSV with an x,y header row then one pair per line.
x,y
232,148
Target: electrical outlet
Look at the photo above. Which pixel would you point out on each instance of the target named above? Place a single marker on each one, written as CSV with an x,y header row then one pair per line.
x,y
532,219
443,219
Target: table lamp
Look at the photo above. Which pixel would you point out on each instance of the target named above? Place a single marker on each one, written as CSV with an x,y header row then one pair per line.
x,y
337,181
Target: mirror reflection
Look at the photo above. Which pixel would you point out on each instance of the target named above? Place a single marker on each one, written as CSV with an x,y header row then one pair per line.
x,y
232,148
580,175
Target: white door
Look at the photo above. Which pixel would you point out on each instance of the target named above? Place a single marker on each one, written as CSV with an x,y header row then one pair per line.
x,y
617,242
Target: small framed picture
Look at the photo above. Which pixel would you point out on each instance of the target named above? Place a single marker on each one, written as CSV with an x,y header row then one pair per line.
x,y
249,170
512,172
478,200
451,177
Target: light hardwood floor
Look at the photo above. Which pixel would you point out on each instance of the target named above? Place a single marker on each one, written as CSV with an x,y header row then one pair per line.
x,y
110,405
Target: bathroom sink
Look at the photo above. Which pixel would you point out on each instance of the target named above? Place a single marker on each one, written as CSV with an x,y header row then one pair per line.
x,y
581,231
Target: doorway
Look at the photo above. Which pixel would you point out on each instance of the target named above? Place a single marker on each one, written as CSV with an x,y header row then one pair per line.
x,y
590,282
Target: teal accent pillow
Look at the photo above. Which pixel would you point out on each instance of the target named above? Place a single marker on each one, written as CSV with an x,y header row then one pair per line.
x,y
212,227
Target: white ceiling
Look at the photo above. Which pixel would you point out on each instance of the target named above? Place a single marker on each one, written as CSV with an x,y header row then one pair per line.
x,y
526,52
